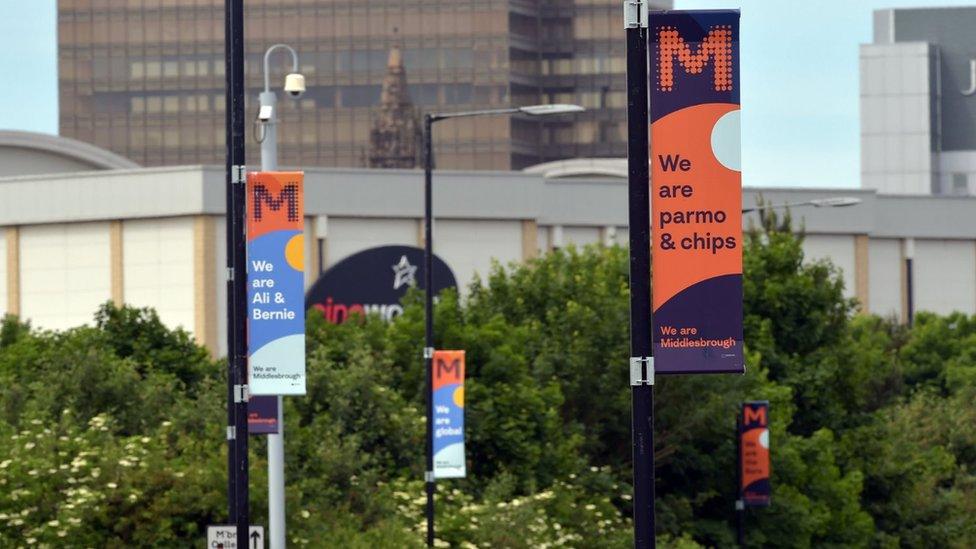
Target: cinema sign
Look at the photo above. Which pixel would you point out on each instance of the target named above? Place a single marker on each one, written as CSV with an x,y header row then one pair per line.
x,y
373,282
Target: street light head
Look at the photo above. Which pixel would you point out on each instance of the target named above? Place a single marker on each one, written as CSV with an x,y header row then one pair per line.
x,y
544,110
295,85
835,202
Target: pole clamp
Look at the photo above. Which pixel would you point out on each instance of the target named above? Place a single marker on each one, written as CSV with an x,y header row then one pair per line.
x,y
635,14
230,274
429,476
231,432
641,370
240,394
238,174
428,352
740,505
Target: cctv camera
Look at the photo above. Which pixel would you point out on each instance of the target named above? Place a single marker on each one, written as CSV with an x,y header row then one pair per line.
x,y
295,85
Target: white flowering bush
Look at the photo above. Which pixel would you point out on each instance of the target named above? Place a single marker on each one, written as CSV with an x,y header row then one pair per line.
x,y
566,514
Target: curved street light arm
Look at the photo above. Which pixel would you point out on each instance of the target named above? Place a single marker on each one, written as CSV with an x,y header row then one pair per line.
x,y
267,56
832,202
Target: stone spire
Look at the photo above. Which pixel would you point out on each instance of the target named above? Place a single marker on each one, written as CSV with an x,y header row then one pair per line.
x,y
394,139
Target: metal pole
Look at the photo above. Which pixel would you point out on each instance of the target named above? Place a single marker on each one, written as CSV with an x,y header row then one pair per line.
x,y
276,442
269,130
229,199
236,263
910,292
642,389
429,320
740,506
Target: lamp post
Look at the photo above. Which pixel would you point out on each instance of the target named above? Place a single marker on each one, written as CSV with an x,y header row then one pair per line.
x,y
268,118
830,202
429,120
237,462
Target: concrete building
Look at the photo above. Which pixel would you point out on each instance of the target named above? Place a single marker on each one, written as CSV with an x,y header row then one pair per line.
x,y
155,237
145,79
918,102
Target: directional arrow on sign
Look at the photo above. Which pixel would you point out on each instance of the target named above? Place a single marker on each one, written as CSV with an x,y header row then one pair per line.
x,y
225,537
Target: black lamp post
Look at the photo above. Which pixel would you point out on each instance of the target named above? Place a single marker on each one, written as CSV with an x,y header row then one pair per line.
x,y
237,462
429,119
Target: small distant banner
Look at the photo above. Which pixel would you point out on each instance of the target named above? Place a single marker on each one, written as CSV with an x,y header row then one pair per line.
x,y
696,191
754,487
262,415
448,399
276,283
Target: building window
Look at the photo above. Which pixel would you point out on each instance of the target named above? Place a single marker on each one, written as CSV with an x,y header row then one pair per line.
x,y
960,184
359,96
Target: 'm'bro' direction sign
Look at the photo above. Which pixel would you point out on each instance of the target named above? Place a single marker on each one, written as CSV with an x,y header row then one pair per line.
x,y
276,283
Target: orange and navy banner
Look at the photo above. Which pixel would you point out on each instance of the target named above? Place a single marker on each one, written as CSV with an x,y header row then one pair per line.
x,y
754,487
448,372
276,283
696,191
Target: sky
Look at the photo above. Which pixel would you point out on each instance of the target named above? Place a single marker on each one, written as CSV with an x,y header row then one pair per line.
x,y
799,81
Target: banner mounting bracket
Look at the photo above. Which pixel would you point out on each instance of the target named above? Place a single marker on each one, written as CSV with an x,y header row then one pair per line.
x,y
641,370
635,14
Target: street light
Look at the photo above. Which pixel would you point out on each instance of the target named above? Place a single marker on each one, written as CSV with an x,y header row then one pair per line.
x,y
429,119
268,119
830,202
267,113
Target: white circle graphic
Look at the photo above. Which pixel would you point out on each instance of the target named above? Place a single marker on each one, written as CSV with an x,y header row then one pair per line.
x,y
726,140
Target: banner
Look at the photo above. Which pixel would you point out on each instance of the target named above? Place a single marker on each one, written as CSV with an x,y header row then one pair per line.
x,y
754,487
262,415
448,414
276,283
696,191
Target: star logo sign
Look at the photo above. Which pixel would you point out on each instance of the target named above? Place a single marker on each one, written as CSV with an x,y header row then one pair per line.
x,y
404,273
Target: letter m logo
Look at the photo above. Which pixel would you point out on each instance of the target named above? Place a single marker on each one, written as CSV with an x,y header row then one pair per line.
x,y
264,198
453,369
716,47
754,416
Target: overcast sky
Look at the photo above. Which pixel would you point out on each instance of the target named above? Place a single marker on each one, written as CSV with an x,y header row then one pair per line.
x,y
799,81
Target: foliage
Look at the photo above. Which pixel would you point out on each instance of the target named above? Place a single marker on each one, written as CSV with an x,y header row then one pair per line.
x,y
112,433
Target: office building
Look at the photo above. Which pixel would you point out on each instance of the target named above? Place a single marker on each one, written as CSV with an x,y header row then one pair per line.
x,y
146,79
918,102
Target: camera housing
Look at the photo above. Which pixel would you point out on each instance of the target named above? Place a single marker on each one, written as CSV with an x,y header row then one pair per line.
x,y
295,85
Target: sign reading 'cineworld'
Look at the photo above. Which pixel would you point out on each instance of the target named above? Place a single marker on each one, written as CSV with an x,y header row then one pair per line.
x,y
373,282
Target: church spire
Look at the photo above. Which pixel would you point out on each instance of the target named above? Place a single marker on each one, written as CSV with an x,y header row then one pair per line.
x,y
395,135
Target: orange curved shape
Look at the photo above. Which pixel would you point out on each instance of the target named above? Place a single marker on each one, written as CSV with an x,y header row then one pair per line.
x,y
714,188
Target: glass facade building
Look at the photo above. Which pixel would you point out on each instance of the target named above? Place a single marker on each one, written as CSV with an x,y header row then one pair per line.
x,y
145,78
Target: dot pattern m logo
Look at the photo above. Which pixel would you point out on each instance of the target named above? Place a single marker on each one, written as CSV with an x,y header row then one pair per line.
x,y
716,48
288,195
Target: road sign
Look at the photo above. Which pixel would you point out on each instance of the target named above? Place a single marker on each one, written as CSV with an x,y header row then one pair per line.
x,y
224,536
